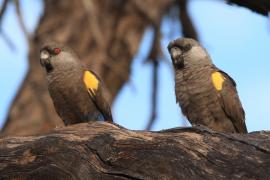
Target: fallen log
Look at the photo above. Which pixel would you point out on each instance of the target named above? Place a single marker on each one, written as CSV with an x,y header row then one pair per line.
x,y
99,150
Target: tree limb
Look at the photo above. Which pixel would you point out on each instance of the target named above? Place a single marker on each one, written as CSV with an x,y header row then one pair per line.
x,y
258,6
188,28
7,40
92,17
3,34
100,150
153,57
3,10
21,21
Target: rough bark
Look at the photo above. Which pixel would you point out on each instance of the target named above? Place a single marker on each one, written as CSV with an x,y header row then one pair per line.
x,y
100,150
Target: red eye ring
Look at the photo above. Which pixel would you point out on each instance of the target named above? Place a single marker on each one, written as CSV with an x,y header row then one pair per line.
x,y
56,50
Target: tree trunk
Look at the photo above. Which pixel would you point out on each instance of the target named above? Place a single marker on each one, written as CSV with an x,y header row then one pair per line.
x,y
99,150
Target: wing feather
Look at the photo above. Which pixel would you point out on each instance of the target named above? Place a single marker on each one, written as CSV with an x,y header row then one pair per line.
x,y
231,104
96,89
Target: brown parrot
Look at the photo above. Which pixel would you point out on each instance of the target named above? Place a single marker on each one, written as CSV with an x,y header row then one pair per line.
x,y
206,94
78,94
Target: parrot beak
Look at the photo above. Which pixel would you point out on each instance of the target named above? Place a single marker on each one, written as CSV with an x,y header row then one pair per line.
x,y
175,52
44,57
176,55
45,60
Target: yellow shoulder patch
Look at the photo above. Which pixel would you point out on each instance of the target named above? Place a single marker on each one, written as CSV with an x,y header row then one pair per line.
x,y
90,81
217,80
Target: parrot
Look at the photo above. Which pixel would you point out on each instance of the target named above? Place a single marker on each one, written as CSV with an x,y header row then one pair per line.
x,y
78,94
206,95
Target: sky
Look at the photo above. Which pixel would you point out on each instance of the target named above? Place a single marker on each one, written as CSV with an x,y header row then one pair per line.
x,y
237,39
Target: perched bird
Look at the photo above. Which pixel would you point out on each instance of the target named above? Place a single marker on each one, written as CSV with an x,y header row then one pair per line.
x,y
77,93
206,94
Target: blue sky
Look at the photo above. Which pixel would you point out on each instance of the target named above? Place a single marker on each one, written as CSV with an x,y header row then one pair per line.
x,y
237,40
13,63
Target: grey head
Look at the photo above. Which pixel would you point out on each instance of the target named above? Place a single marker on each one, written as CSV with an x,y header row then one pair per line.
x,y
56,56
188,52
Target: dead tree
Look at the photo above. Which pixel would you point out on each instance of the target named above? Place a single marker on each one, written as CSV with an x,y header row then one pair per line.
x,y
100,150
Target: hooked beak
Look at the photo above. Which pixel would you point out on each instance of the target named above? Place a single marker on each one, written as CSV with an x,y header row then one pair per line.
x,y
44,57
177,56
45,60
175,52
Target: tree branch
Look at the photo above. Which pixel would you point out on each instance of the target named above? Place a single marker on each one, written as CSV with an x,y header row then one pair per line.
x,y
5,36
99,150
153,57
21,21
188,28
258,6
3,10
7,40
92,17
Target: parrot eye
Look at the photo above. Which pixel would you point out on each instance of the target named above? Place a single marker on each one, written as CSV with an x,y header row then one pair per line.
x,y
187,47
56,50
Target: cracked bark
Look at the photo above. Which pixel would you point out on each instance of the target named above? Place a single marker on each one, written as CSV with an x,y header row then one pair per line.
x,y
99,150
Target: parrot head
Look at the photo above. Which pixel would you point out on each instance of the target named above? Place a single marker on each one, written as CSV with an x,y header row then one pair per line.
x,y
55,56
187,51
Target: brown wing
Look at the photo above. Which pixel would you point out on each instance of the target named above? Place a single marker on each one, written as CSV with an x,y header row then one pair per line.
x,y
102,105
98,97
231,103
